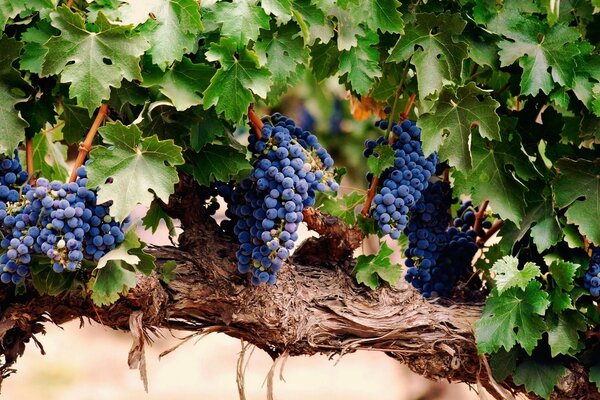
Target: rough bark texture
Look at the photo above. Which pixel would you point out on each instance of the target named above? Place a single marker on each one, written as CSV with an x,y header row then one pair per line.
x,y
313,308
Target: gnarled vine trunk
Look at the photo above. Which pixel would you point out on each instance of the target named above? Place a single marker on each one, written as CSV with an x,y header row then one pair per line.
x,y
314,308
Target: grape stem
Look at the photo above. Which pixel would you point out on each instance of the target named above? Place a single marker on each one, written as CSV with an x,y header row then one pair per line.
x,y
495,228
479,217
397,97
70,3
29,159
255,122
370,196
86,145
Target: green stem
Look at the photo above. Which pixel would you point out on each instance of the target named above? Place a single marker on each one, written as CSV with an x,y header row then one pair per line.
x,y
398,93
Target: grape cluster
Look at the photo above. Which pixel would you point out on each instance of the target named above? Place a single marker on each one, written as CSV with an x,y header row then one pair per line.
x,y
591,280
440,253
58,221
405,181
265,209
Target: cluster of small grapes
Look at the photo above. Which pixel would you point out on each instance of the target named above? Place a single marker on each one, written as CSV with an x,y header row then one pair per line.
x,y
438,254
591,280
266,208
405,181
59,221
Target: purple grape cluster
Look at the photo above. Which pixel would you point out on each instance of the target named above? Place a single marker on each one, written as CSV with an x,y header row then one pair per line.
x,y
591,279
405,181
289,167
440,253
58,221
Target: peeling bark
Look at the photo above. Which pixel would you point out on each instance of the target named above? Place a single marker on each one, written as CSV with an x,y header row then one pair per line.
x,y
314,308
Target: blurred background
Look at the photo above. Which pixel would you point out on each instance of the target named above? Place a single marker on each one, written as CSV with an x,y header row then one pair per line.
x,y
90,362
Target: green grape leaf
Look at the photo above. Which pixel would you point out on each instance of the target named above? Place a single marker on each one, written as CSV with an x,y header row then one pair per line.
x,y
578,188
206,130
344,207
437,57
281,52
546,53
240,75
314,24
11,124
324,60
282,9
560,300
136,165
503,363
240,20
537,376
514,316
92,62
216,162
154,215
109,282
130,252
49,156
76,120
182,83
12,8
167,271
563,273
508,274
384,160
46,281
447,127
563,332
33,51
594,375
172,31
361,64
382,15
498,169
370,269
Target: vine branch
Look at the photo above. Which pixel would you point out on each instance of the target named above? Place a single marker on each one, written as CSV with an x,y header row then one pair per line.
x,y
496,226
29,159
255,121
86,145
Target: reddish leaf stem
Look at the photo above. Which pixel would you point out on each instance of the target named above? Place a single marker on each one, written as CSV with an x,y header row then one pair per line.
x,y
502,89
29,159
70,3
495,228
479,216
409,105
255,122
518,105
474,69
86,145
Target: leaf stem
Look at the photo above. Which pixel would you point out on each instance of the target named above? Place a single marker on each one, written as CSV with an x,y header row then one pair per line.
x,y
255,122
495,228
409,105
29,159
86,145
479,216
70,3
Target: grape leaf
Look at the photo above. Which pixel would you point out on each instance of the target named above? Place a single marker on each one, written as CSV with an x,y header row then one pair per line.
x,y
514,316
578,188
378,14
182,83
216,162
563,332
240,20
384,160
92,62
33,50
208,128
153,217
447,127
172,31
546,53
348,30
46,281
370,269
560,300
508,274
435,53
314,24
594,375
77,121
343,207
498,170
324,60
282,9
12,8
360,64
109,282
49,155
11,123
167,271
281,52
136,165
130,252
563,273
503,363
537,376
240,75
